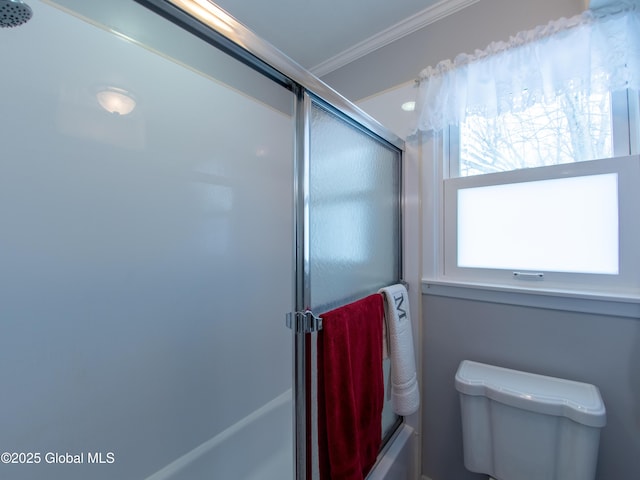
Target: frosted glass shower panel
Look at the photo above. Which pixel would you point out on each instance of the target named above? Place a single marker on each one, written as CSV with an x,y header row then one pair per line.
x,y
146,258
353,211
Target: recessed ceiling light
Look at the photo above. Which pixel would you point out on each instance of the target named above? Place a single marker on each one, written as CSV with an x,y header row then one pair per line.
x,y
116,100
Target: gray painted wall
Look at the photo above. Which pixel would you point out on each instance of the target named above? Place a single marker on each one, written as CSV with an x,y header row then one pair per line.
x,y
601,350
463,32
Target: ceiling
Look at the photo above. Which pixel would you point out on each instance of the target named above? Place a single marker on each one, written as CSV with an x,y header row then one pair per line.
x,y
309,32
321,35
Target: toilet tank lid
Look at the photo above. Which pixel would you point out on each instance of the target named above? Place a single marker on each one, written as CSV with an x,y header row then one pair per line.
x,y
578,401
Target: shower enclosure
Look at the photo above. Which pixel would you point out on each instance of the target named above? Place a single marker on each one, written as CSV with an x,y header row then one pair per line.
x,y
166,198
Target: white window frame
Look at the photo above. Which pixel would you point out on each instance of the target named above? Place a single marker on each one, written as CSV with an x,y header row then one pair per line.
x,y
439,258
627,280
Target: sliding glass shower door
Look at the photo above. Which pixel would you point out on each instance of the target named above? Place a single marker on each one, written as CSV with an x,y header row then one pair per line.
x,y
146,253
150,200
353,226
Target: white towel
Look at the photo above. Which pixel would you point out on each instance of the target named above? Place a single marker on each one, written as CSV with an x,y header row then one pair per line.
x,y
405,396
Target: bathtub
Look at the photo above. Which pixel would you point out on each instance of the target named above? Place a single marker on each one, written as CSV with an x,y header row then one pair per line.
x,y
259,447
397,459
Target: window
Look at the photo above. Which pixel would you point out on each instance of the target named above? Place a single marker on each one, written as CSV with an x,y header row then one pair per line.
x,y
521,209
539,226
539,179
527,205
567,227
568,129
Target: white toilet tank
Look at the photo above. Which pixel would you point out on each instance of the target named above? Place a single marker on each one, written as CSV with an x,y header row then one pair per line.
x,y
523,426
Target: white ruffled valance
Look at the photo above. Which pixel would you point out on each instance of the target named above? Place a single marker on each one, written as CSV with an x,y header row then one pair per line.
x,y
596,51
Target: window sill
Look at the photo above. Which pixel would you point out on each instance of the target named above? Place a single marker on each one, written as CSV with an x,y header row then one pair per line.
x,y
599,304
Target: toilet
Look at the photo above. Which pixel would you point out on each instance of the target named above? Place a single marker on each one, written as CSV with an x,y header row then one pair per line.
x,y
523,426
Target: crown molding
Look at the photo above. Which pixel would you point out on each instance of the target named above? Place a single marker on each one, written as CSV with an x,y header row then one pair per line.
x,y
395,32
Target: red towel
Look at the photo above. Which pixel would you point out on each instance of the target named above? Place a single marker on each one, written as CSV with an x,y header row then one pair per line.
x,y
350,389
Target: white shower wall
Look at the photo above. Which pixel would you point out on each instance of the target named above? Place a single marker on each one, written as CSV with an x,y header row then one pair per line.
x,y
146,259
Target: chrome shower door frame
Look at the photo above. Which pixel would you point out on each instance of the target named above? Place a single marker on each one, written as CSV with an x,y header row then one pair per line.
x,y
240,43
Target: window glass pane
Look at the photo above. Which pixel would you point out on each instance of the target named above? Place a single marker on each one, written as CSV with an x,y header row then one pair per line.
x,y
561,225
571,128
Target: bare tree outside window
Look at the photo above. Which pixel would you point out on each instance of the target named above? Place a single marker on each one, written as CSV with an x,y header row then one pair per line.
x,y
573,128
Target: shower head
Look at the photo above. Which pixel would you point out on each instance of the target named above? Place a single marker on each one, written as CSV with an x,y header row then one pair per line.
x,y
14,13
